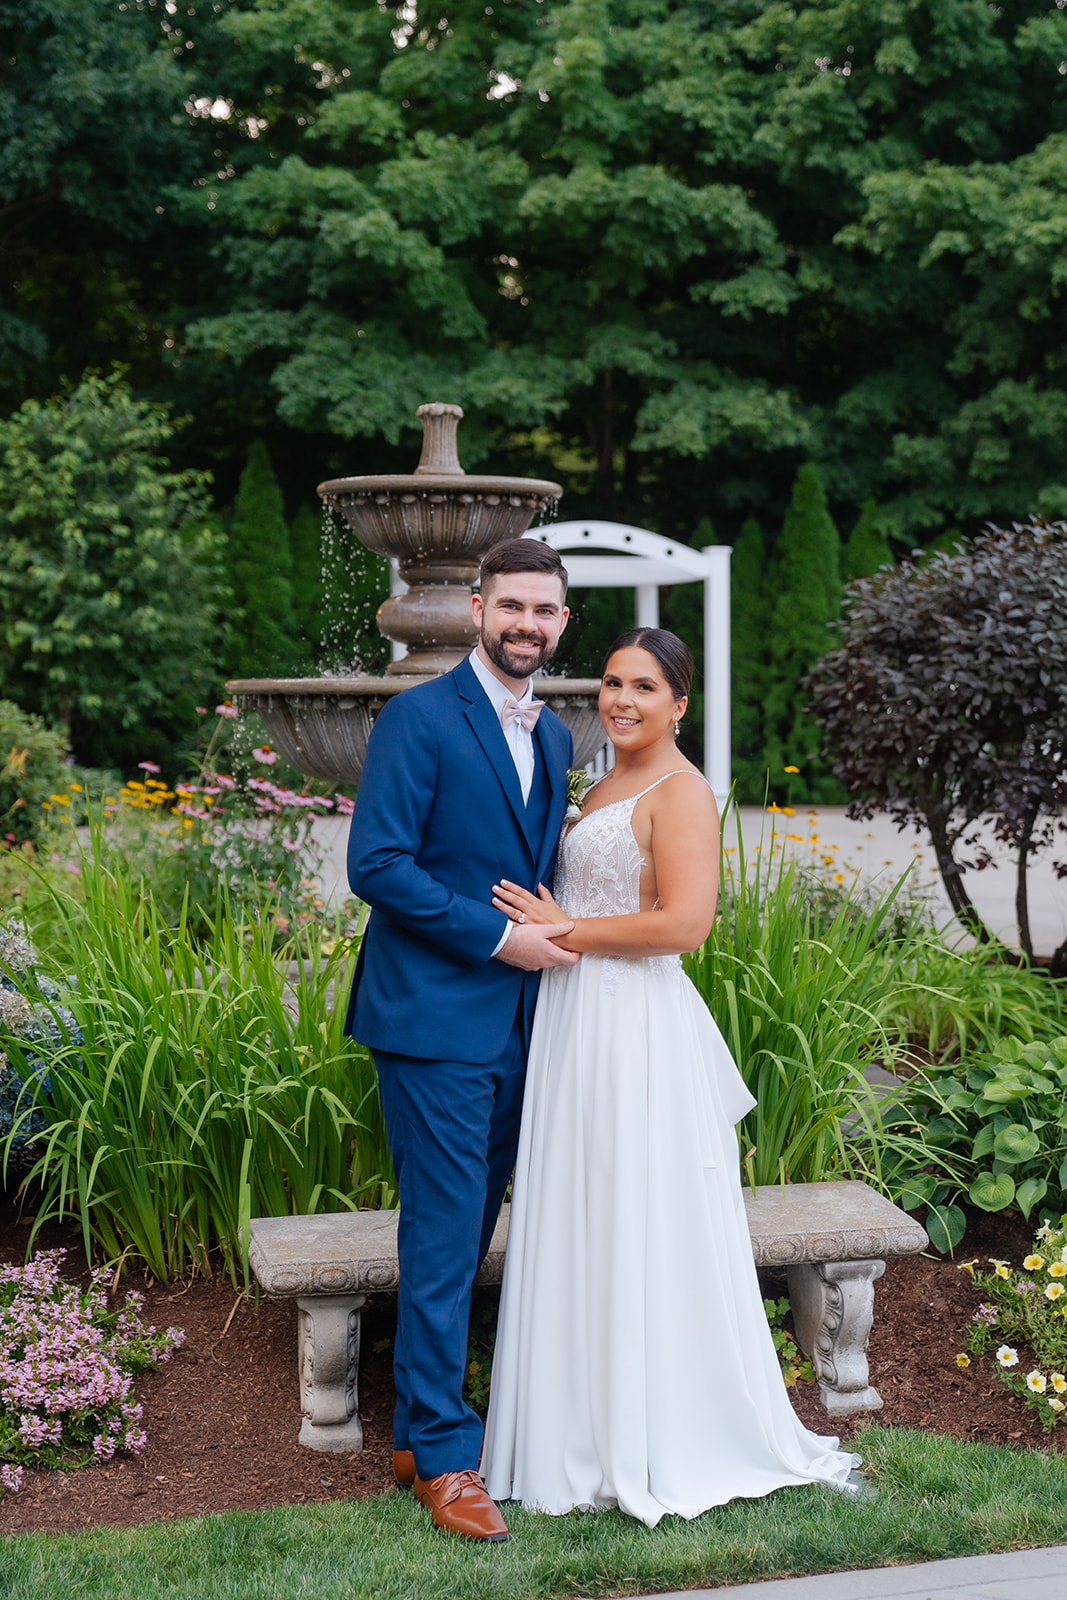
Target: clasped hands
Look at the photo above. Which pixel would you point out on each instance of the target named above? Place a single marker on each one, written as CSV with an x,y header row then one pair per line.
x,y
540,927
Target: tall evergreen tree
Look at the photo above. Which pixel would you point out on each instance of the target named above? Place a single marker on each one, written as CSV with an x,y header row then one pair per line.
x,y
261,572
807,585
749,625
305,543
867,548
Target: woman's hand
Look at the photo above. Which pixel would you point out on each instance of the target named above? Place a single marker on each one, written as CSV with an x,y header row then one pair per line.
x,y
522,906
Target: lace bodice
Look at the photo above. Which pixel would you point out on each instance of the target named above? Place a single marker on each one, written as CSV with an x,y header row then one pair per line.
x,y
599,875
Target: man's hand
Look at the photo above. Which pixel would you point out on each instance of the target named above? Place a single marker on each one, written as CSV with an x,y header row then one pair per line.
x,y
531,946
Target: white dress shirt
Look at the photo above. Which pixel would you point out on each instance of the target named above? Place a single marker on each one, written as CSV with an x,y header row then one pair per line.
x,y
519,739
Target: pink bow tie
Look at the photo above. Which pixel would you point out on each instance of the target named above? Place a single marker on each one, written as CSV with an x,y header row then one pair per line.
x,y
511,711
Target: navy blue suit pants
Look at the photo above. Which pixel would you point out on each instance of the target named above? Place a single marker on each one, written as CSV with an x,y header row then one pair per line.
x,y
453,1129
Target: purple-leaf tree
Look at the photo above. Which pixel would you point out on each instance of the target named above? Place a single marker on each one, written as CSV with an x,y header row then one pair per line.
x,y
946,702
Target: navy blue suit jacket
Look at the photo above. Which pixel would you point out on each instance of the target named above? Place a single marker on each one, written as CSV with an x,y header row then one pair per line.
x,y
439,818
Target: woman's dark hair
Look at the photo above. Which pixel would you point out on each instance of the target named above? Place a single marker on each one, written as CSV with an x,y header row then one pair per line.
x,y
673,656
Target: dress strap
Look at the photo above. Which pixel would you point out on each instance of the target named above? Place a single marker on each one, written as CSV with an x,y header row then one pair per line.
x,y
679,772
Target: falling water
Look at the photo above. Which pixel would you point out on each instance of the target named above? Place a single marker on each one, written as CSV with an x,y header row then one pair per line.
x,y
355,581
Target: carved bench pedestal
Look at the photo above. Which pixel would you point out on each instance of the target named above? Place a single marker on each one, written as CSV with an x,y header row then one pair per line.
x,y
328,1334
833,1309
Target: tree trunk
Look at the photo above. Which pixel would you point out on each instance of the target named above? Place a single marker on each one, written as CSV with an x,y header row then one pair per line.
x,y
1022,899
952,878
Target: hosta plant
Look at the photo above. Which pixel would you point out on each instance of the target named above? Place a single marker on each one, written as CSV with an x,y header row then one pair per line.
x,y
997,1133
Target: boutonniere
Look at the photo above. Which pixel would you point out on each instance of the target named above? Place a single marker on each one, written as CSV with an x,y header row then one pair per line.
x,y
578,781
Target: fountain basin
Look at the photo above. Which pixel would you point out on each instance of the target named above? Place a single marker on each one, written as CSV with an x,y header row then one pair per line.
x,y
321,725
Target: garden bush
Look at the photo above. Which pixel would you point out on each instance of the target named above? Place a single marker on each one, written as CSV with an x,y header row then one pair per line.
x,y
34,765
211,1082
1028,1306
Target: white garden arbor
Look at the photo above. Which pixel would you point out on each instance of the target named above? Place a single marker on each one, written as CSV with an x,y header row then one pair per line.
x,y
646,562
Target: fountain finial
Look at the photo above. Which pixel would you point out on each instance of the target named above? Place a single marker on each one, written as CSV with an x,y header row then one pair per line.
x,y
439,424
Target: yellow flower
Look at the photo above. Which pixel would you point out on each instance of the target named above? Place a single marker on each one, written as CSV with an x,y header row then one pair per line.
x,y
967,1266
1057,1405
1053,1291
60,799
1058,1269
1058,1382
963,1361
791,769
839,877
1034,1263
1001,1271
1007,1356
77,788
1036,1382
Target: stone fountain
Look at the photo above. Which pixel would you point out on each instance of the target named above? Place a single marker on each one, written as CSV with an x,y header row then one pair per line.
x,y
436,522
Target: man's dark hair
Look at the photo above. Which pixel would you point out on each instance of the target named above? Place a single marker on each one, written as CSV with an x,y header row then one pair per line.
x,y
522,555
673,656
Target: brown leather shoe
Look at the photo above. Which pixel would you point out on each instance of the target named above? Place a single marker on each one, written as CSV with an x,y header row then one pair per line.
x,y
403,1468
458,1503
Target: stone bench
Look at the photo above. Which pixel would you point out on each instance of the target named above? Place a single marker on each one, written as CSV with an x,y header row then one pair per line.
x,y
831,1238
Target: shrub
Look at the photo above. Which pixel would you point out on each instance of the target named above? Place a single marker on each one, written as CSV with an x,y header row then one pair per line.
x,y
947,701
33,766
110,581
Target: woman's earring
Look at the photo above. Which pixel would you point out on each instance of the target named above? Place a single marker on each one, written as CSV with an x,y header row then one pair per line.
x,y
677,720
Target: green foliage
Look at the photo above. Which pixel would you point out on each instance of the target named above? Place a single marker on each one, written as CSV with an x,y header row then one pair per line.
x,y
213,1084
947,701
109,576
806,584
795,1367
260,564
751,604
954,1003
997,1131
305,546
867,548
33,767
796,995
1027,1307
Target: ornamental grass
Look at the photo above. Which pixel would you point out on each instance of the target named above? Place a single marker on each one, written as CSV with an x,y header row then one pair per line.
x,y
211,1082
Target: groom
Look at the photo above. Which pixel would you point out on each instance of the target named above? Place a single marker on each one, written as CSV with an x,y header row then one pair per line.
x,y
464,784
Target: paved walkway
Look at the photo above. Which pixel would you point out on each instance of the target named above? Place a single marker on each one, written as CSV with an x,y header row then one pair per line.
x,y
873,851
1021,1575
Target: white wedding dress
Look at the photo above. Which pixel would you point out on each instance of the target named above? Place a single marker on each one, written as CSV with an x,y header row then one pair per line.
x,y
634,1366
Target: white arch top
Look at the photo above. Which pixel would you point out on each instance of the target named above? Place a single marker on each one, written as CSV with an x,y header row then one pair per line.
x,y
644,562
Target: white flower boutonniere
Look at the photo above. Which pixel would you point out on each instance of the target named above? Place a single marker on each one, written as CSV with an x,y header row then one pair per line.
x,y
578,781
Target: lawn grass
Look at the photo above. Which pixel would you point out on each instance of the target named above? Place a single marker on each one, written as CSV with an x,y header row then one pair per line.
x,y
934,1498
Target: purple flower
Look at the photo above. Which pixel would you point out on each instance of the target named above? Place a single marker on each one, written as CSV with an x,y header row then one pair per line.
x,y
11,1479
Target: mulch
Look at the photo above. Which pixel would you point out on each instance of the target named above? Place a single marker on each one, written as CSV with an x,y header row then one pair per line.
x,y
222,1416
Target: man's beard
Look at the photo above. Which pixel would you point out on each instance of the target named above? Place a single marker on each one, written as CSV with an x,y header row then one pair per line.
x,y
513,666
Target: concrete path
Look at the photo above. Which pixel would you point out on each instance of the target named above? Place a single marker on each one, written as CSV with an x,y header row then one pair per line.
x,y
1020,1575
874,851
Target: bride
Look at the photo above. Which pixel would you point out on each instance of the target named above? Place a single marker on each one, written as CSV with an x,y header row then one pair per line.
x,y
634,1366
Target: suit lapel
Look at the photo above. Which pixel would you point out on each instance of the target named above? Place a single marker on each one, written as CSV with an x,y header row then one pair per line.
x,y
484,721
551,739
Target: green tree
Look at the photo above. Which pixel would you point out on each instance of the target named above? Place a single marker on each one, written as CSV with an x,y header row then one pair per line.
x,y
867,548
806,583
751,605
33,767
110,578
262,641
305,544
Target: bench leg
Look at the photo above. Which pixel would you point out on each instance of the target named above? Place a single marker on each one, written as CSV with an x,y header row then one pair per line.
x,y
833,1308
328,1358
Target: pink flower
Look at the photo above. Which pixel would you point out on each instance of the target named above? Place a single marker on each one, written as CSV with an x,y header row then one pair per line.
x,y
11,1479
227,710
223,780
265,755
345,806
292,845
201,711
148,766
